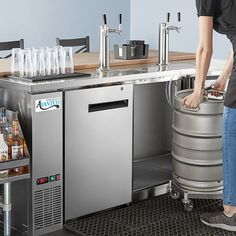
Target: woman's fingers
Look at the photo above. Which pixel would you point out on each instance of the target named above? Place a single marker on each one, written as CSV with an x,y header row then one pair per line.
x,y
185,101
190,102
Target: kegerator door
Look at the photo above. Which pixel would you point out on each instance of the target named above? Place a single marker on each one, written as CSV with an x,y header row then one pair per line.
x,y
98,149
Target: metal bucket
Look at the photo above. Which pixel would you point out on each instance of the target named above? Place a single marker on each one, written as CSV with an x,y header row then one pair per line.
x,y
197,161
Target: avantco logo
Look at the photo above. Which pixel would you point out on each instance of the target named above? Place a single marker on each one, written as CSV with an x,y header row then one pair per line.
x,y
47,104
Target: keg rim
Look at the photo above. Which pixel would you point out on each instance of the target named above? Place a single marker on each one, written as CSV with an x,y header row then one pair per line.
x,y
207,107
190,91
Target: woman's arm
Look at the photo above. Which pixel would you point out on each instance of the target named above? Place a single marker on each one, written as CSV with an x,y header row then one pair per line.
x,y
221,81
203,59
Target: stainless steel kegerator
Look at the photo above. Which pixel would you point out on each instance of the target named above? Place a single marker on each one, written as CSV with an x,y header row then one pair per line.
x,y
80,145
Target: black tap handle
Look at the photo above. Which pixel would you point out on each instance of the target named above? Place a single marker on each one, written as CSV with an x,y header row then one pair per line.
x,y
105,19
179,16
168,17
120,19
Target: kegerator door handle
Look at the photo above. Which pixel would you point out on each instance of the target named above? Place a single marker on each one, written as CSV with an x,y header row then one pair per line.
x,y
107,105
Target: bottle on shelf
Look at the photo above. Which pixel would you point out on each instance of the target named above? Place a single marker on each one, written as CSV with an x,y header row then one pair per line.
x,y
3,155
16,147
8,138
4,125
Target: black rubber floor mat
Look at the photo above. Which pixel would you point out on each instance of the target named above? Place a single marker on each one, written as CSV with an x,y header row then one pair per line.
x,y
160,216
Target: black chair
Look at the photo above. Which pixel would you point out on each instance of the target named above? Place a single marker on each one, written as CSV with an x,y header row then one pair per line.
x,y
6,46
83,43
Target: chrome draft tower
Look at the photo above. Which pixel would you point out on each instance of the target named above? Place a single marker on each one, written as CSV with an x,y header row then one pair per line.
x,y
164,29
105,30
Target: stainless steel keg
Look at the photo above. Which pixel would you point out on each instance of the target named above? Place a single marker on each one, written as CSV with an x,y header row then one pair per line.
x,y
197,161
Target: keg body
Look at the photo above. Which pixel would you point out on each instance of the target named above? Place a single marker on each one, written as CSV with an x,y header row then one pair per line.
x,y
196,146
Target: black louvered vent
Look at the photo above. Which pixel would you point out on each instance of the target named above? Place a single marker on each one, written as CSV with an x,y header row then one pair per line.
x,y
47,207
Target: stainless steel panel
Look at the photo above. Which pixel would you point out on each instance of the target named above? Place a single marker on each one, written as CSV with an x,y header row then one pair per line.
x,y
45,158
98,150
47,153
152,172
150,192
152,121
132,75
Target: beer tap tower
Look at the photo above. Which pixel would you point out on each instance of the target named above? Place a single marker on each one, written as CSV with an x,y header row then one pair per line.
x,y
105,30
164,29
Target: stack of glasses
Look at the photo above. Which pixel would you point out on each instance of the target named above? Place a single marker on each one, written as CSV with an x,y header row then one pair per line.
x,y
35,62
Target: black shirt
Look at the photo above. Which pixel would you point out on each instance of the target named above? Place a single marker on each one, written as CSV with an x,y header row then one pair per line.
x,y
223,12
224,22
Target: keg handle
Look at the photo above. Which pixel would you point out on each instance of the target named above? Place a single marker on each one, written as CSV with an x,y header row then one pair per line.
x,y
191,109
213,94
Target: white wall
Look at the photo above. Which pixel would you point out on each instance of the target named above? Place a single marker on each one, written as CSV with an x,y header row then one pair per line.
x,y
39,22
146,16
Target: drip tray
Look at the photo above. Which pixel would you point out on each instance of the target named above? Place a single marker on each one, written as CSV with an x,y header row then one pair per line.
x,y
162,216
50,77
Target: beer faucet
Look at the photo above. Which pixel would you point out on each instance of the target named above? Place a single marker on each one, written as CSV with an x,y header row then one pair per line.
x,y
105,30
164,29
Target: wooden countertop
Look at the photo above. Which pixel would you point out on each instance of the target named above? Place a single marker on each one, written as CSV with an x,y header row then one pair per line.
x,y
91,60
83,61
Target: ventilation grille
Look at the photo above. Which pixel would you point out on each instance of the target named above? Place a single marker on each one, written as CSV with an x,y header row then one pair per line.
x,y
47,207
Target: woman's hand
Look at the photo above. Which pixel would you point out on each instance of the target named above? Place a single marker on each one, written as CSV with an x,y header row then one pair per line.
x,y
193,100
220,83
222,80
